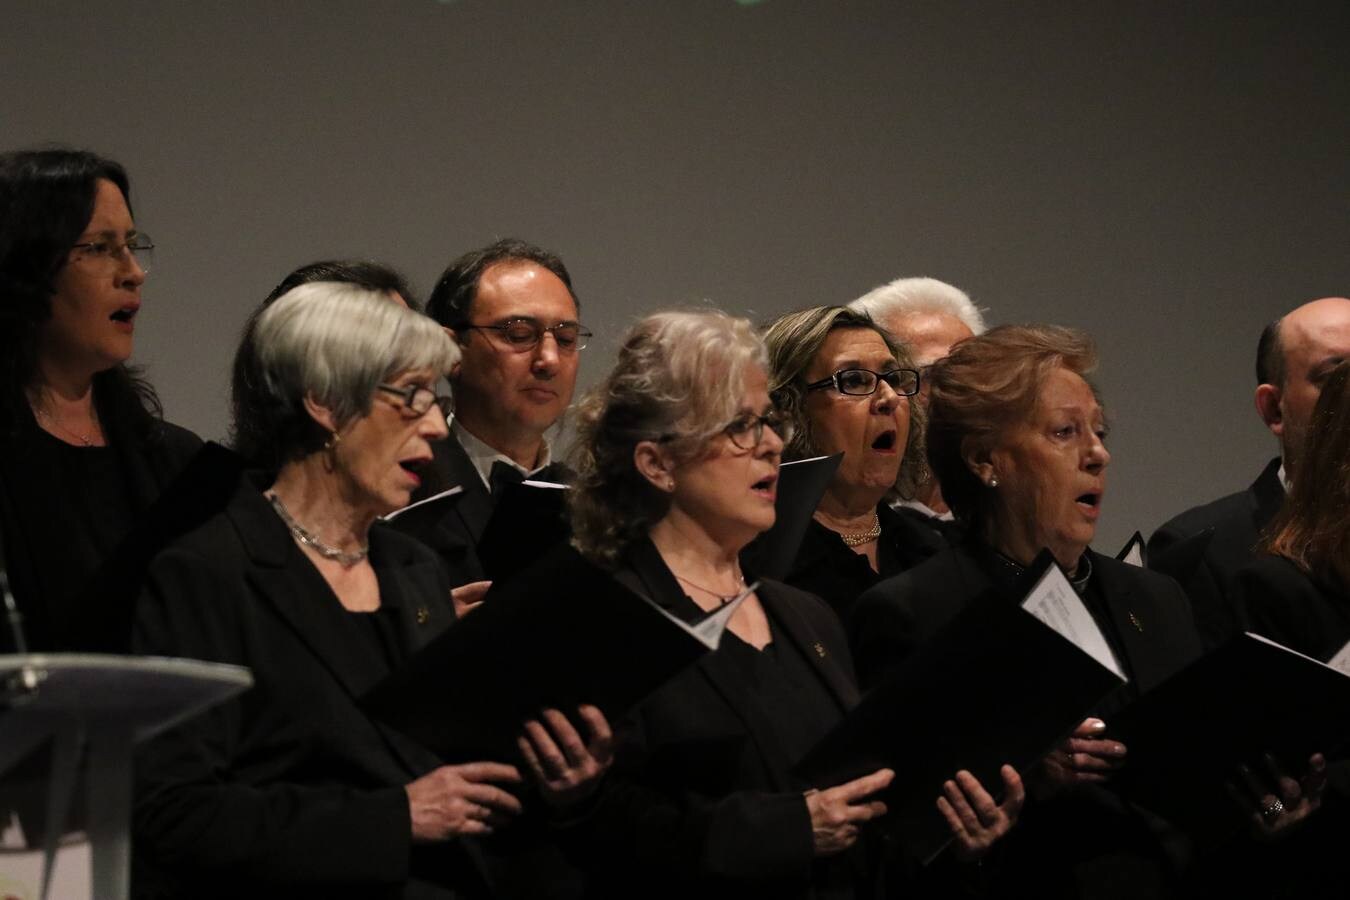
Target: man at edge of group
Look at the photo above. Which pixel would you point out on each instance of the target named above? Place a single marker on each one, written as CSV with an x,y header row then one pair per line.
x,y
1204,547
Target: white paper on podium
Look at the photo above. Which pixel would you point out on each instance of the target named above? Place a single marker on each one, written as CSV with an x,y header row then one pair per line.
x,y
1054,601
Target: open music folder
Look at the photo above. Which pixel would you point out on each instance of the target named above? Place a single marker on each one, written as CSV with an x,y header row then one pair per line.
x,y
562,633
1000,683
1250,697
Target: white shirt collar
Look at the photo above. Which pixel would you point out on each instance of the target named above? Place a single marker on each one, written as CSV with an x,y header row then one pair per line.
x,y
925,509
483,456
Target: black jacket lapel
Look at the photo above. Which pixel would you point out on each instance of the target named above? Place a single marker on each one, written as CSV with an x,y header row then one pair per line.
x,y
794,627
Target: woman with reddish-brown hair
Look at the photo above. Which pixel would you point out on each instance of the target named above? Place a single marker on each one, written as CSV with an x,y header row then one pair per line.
x,y
1016,437
1298,591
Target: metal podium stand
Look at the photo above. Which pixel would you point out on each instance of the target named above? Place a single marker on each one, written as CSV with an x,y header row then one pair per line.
x,y
96,708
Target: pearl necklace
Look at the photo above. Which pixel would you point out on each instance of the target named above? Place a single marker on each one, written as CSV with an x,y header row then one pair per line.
x,y
306,537
858,538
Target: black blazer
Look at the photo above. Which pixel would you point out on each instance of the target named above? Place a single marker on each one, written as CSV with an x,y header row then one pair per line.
x,y
701,802
1085,842
289,790
1204,547
456,534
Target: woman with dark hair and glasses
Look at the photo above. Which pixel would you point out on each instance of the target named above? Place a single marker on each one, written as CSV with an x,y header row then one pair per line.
x,y
847,386
83,448
292,790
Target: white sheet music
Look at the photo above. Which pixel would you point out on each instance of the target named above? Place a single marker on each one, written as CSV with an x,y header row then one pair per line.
x,y
1054,601
457,489
1341,661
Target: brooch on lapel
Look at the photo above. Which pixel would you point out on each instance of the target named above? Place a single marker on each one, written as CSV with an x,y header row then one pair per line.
x,y
423,615
819,648
1134,620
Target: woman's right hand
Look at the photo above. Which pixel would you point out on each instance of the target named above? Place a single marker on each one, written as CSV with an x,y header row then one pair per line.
x,y
837,812
453,801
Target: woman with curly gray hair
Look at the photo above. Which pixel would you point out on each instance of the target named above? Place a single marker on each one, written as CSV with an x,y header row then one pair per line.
x,y
848,388
677,467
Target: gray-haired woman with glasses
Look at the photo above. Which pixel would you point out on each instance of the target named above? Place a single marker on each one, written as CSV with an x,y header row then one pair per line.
x,y
847,386
293,789
83,448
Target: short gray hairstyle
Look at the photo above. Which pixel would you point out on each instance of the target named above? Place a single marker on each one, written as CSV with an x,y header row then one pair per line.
x,y
677,380
905,296
333,342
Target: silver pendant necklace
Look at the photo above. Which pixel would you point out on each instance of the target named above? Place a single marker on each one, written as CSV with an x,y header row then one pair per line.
x,y
302,534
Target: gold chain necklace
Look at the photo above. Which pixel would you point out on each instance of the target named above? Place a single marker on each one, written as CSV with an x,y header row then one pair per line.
x,y
84,439
858,538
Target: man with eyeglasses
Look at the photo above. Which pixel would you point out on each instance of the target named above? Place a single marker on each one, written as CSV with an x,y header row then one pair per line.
x,y
511,308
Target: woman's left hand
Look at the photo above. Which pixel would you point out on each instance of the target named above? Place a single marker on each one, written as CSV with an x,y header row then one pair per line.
x,y
975,820
566,768
1279,802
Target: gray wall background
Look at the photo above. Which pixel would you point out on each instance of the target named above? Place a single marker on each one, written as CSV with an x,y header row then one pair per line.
x,y
1167,176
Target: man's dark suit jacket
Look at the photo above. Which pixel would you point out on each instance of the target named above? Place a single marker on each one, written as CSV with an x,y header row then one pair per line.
x,y
701,802
1086,842
1204,547
455,535
289,790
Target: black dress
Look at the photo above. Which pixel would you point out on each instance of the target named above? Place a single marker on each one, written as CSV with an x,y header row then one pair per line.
x,y
64,513
830,569
701,801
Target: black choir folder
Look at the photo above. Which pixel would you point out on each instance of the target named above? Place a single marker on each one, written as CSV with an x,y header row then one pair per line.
x,y
529,518
560,634
1001,683
1250,697
801,484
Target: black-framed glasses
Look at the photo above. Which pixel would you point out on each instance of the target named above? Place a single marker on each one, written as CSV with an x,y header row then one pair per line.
x,y
417,399
746,431
522,335
140,246
862,382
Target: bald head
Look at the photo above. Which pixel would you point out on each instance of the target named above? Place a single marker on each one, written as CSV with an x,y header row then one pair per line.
x,y
1297,353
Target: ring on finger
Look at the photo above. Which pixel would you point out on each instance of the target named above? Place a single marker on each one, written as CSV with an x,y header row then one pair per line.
x,y
1272,810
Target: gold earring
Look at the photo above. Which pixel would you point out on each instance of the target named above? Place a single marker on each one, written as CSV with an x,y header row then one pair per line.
x,y
333,440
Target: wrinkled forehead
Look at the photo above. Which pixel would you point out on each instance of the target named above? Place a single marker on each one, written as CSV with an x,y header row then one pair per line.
x,y
1064,391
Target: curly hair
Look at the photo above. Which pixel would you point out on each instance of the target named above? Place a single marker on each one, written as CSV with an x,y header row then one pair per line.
x,y
794,340
676,381
986,386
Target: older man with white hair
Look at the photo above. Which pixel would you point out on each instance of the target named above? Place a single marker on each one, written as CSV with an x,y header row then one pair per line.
x,y
930,316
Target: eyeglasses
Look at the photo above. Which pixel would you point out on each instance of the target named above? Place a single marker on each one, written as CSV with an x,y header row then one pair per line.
x,y
140,246
747,431
862,382
417,400
523,335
